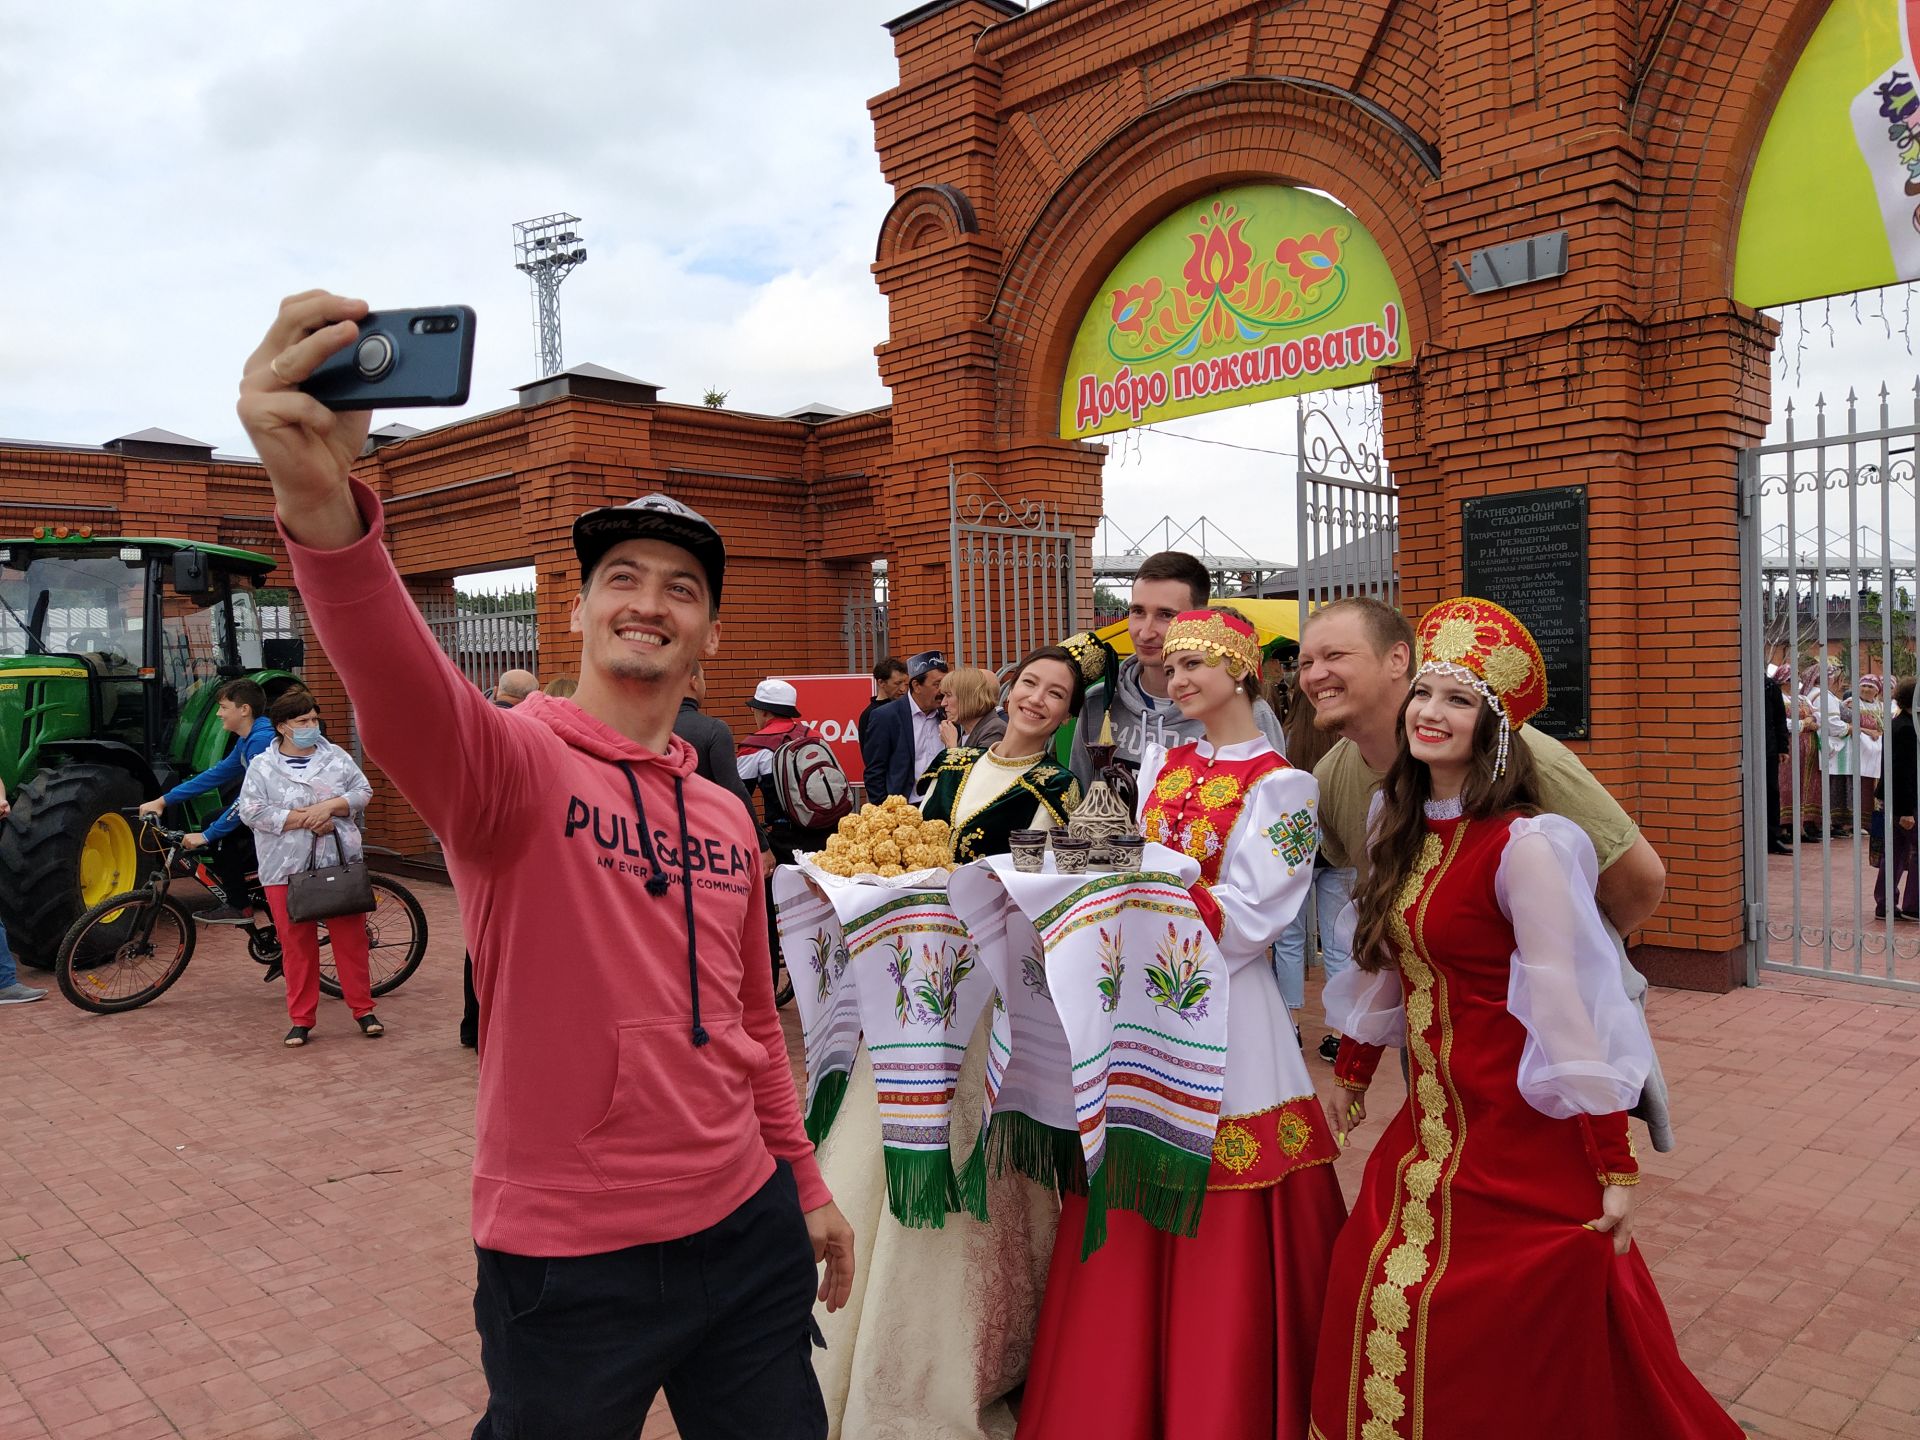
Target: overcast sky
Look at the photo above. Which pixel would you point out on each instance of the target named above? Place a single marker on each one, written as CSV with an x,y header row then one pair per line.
x,y
170,171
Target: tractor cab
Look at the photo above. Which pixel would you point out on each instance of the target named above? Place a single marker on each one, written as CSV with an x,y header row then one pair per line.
x,y
112,651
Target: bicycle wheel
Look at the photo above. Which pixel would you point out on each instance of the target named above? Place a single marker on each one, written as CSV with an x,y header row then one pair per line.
x,y
125,951
396,939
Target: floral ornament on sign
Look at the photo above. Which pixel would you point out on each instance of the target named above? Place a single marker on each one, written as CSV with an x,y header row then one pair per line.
x,y
1176,978
1133,306
1224,294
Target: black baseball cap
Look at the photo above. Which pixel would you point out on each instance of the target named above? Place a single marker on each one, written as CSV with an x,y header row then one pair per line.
x,y
651,517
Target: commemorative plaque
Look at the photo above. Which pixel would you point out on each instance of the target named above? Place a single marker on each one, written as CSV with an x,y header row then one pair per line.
x,y
1528,553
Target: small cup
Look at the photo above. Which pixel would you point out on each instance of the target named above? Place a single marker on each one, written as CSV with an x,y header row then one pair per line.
x,y
1029,849
1128,851
1070,855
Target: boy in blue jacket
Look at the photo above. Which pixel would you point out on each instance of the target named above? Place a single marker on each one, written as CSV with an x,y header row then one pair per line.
x,y
241,705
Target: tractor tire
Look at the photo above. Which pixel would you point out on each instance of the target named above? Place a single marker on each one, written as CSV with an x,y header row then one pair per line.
x,y
67,845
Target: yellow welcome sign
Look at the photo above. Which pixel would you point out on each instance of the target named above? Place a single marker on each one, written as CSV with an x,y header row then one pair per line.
x,y
1245,295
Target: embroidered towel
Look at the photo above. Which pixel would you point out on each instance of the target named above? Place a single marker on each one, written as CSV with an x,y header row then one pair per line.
x,y
1139,997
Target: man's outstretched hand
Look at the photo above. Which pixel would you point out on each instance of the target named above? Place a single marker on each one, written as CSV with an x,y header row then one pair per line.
x,y
307,449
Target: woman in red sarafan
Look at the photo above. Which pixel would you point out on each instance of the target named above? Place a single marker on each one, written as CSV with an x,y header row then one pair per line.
x,y
1487,1282
1211,1336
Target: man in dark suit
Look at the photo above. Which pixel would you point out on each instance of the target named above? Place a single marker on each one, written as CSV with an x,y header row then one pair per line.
x,y
903,736
889,683
1779,744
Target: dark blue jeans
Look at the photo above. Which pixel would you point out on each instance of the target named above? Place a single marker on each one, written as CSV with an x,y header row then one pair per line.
x,y
8,973
576,1348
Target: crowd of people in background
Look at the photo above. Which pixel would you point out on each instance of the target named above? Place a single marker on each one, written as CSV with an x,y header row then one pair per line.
x,y
1839,765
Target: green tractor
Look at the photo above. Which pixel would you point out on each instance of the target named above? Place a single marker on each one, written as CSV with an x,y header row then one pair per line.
x,y
111,654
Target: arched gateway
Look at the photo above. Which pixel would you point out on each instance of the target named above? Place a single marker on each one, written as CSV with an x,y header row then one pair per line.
x,y
1555,193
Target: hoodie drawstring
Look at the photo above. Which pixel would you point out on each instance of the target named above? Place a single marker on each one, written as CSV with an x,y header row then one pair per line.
x,y
693,965
657,883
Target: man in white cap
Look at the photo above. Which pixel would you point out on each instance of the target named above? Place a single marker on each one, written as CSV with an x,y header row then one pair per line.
x,y
777,704
647,1211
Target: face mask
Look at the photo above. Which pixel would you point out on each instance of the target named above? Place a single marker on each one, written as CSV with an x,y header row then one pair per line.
x,y
304,737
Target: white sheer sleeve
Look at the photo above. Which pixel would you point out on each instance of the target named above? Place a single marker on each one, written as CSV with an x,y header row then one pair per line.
x,y
1367,1008
1586,1051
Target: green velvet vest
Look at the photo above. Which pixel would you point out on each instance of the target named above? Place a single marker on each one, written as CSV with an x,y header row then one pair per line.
x,y
985,833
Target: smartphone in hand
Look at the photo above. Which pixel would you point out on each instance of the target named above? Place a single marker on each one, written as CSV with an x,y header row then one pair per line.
x,y
402,358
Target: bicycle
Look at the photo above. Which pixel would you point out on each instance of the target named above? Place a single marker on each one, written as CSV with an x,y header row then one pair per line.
x,y
131,948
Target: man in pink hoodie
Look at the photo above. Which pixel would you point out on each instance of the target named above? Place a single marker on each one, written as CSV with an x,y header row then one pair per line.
x,y
647,1212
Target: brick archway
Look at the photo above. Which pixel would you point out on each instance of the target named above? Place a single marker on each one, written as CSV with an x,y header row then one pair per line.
x,y
1255,129
1069,129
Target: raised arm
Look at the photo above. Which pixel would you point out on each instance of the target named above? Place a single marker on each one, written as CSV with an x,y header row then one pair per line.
x,y
460,760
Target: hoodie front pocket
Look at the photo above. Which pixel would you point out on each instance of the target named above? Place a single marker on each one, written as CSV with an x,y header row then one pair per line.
x,y
676,1110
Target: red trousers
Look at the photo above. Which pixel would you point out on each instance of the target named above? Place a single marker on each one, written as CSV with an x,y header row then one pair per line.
x,y
300,957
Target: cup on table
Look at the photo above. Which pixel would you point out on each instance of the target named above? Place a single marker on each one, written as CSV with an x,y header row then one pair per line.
x,y
1128,851
1029,849
1070,854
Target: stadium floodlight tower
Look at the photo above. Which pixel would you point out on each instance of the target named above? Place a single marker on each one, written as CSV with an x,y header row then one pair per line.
x,y
547,250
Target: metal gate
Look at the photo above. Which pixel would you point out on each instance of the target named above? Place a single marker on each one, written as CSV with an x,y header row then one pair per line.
x,y
1827,609
864,621
1013,574
1348,516
488,635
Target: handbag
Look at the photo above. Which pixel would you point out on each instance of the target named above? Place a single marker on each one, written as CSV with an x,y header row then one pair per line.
x,y
321,892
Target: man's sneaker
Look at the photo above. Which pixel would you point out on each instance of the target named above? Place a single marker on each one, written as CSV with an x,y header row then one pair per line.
x,y
1330,1049
225,915
18,994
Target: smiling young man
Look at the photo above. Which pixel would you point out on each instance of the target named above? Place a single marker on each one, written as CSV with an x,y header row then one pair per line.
x,y
1134,697
1356,657
647,1212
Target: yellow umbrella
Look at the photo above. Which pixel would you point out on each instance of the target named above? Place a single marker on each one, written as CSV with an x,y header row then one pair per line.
x,y
1274,619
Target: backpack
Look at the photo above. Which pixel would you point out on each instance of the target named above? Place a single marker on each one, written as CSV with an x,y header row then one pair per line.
x,y
809,783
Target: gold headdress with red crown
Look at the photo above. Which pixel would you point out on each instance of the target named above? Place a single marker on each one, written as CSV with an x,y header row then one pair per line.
x,y
1478,642
1226,639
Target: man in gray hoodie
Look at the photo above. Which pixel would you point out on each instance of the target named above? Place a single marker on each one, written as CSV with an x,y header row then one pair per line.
x,y
1134,695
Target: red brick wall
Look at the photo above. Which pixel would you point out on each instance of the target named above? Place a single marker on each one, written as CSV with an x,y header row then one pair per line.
x,y
1072,129
795,502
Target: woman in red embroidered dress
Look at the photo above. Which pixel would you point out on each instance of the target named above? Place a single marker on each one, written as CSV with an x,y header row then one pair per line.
x,y
1487,1283
1211,1336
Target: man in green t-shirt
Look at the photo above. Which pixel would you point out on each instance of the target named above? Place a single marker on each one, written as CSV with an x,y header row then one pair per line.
x,y
1356,657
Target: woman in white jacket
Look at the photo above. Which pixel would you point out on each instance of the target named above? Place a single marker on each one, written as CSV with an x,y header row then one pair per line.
x,y
297,791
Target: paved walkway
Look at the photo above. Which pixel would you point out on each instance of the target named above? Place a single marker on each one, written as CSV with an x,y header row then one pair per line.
x,y
203,1234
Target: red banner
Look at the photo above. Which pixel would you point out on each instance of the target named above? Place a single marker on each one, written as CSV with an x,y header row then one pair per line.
x,y
832,704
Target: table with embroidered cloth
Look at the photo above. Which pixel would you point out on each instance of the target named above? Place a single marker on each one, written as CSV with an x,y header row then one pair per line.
x,y
895,967
1107,1064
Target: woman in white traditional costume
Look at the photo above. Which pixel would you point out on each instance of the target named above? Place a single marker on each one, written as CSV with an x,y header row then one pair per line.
x,y
1155,1335
940,1325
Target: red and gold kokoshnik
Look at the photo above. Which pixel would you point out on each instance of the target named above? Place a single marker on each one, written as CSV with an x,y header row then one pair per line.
x,y
1225,638
1487,647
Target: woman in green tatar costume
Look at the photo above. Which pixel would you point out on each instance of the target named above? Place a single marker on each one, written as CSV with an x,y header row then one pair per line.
x,y
985,795
939,1328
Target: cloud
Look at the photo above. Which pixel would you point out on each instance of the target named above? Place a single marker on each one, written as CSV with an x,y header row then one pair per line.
x,y
204,161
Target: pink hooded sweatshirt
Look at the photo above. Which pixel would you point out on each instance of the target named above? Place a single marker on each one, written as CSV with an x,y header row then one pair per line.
x,y
634,1084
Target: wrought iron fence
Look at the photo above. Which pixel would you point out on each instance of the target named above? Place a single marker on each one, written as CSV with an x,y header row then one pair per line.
x,y
1349,516
1012,568
1829,521
487,637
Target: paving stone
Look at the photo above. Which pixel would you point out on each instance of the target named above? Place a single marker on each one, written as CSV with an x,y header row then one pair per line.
x,y
223,1238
